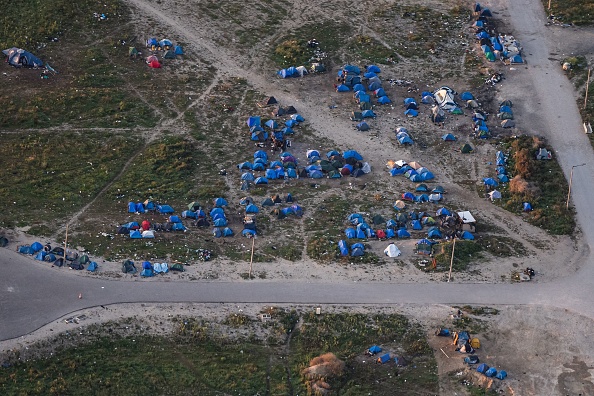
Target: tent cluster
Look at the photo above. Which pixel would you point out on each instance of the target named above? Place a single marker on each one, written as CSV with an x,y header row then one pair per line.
x,y
150,270
403,137
364,89
356,249
414,171
501,167
57,257
385,357
491,371
169,50
335,165
506,114
283,168
275,131
18,57
504,47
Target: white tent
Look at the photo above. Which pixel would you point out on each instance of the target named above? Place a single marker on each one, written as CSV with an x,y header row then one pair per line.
x,y
444,97
392,251
301,70
148,234
495,195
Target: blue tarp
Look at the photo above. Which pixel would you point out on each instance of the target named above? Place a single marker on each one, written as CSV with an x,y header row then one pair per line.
x,y
343,247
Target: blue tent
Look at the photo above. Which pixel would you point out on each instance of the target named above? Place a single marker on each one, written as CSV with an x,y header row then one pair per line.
x,y
422,198
253,121
390,233
36,247
485,12
216,211
247,176
375,349
18,57
351,69
368,114
40,256
26,249
505,109
261,180
355,218
527,206
251,208
384,358
135,234
256,128
490,181
373,69
332,153
248,233
516,59
411,113
427,176
217,233
292,173
448,137
139,207
403,138
343,247
416,225
502,178
379,92
50,258
383,100
270,174
491,372
361,232
220,202
501,375
408,101
352,154
245,165
467,235
188,214
443,212
359,87
174,219
287,131
164,209
482,368
391,223
92,266
434,233
227,232
180,227
362,98
221,222
374,85
357,251
466,96
165,43
131,225
297,117
272,124
416,178
369,75
350,233
402,233
178,50
342,88
363,126
131,207
501,170
151,42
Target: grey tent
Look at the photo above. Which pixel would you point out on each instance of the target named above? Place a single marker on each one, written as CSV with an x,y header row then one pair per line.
x,y
169,54
508,123
269,101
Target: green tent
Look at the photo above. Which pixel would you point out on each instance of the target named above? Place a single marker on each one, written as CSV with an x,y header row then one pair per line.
x,y
169,54
132,51
490,56
365,106
457,111
194,206
466,149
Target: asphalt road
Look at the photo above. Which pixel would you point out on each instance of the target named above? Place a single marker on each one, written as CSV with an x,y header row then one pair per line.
x,y
32,295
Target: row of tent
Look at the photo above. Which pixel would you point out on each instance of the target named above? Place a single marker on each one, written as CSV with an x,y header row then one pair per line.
x,y
259,134
495,47
300,71
149,206
350,75
356,249
336,165
491,371
148,269
163,45
56,257
413,171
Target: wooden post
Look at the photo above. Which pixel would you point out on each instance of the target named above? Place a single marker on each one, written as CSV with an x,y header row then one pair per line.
x,y
587,86
65,244
252,257
549,5
452,259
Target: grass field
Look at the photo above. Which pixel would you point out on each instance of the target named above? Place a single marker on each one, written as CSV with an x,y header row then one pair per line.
x,y
201,358
578,12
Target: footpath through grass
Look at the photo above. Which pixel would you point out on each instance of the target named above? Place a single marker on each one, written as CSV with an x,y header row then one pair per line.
x,y
212,357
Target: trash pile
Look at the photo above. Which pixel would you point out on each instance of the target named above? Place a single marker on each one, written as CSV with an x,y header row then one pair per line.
x,y
495,46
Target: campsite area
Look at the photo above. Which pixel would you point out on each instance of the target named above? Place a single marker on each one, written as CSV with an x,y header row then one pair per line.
x,y
99,146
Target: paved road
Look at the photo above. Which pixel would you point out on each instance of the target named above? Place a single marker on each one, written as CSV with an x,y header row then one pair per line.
x,y
32,295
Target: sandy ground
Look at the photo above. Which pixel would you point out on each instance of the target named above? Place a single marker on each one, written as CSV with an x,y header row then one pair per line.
x,y
512,340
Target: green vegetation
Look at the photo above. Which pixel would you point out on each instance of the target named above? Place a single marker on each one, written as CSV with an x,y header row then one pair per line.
x,y
203,358
42,182
539,182
465,253
578,12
